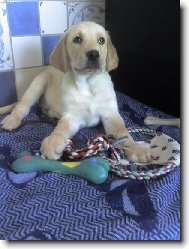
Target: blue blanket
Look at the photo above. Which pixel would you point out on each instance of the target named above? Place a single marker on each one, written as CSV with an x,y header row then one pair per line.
x,y
52,206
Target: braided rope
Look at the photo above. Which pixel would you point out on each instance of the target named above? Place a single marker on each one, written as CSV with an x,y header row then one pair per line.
x,y
97,145
146,131
100,145
140,175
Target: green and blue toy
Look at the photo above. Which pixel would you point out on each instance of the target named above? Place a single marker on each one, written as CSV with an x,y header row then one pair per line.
x,y
94,169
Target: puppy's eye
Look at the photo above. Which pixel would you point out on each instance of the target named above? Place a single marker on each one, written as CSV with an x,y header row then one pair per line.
x,y
101,40
77,40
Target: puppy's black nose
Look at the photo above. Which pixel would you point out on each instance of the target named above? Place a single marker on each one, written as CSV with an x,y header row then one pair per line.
x,y
92,55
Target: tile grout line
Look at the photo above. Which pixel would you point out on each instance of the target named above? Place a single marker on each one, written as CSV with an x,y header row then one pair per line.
x,y
40,28
67,8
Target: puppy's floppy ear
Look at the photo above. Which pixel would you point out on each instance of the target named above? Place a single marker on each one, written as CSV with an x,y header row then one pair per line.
x,y
59,55
112,57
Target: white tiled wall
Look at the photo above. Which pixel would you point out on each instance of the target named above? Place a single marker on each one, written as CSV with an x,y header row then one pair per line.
x,y
29,30
53,17
27,51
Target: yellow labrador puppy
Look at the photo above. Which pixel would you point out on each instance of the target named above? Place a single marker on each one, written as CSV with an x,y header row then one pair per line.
x,y
77,90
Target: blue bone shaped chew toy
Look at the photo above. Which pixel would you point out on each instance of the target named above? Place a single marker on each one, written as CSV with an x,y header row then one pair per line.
x,y
94,169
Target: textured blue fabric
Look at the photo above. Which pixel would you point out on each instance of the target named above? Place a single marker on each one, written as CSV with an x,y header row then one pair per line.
x,y
52,206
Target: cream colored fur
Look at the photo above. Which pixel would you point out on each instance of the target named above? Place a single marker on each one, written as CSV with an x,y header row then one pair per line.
x,y
76,94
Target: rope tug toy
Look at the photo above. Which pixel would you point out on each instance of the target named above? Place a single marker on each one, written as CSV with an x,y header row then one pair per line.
x,y
165,151
109,155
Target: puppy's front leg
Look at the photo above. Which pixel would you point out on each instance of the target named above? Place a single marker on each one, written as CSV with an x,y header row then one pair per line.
x,y
114,125
53,145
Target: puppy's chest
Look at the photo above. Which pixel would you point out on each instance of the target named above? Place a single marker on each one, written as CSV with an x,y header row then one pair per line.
x,y
90,99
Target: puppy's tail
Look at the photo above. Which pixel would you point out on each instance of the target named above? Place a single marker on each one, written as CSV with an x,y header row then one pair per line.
x,y
7,109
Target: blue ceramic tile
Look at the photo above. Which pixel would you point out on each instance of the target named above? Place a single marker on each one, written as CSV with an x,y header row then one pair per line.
x,y
49,42
7,88
23,18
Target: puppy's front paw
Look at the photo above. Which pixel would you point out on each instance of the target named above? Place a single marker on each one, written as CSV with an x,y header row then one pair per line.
x,y
138,152
52,147
10,122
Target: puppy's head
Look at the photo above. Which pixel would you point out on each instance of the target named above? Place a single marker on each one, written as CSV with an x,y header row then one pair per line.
x,y
85,48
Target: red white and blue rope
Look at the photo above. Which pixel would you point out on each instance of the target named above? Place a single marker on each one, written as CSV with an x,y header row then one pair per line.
x,y
100,145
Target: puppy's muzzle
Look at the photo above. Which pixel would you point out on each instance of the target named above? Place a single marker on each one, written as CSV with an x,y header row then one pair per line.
x,y
93,55
93,59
